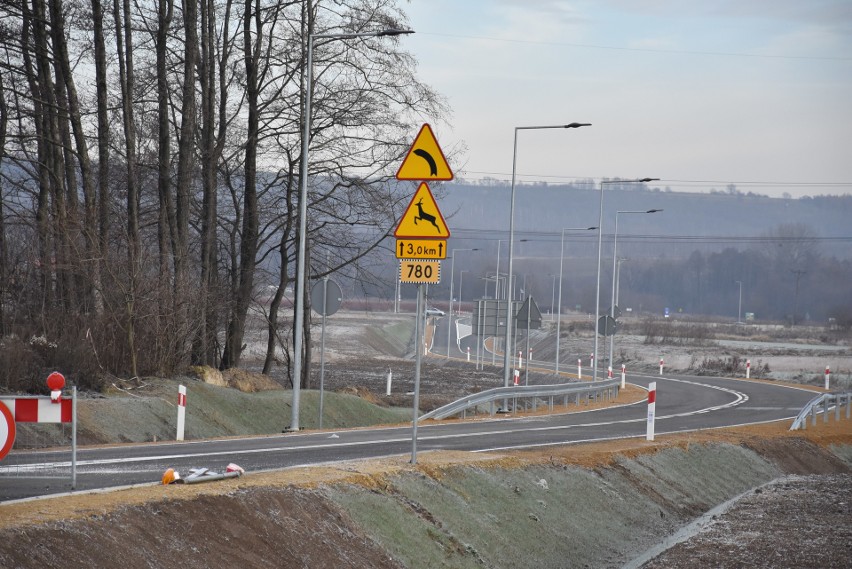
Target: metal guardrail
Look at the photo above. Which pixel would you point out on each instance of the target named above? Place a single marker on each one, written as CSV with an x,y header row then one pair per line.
x,y
600,390
823,402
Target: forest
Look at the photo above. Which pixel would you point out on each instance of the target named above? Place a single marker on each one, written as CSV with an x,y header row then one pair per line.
x,y
150,153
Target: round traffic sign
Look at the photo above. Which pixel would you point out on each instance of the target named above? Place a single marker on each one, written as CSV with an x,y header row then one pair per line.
x,y
7,430
326,297
607,325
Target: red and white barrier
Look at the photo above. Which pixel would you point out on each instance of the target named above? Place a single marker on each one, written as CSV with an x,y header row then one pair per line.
x,y
181,417
517,374
38,409
609,372
748,368
827,377
623,375
652,407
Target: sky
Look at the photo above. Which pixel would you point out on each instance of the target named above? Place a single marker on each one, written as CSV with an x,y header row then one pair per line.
x,y
698,93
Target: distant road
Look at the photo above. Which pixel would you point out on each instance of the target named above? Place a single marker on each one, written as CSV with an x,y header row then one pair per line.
x,y
684,403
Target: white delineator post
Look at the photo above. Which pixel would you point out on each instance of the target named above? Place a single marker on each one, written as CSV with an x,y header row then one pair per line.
x,y
390,380
579,368
661,366
652,406
181,418
827,377
623,375
748,368
468,353
520,359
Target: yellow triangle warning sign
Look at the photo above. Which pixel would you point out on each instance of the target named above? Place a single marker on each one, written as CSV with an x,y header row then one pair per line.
x,y
422,219
425,160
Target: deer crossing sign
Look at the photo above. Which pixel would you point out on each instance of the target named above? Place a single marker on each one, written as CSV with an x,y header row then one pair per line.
x,y
422,219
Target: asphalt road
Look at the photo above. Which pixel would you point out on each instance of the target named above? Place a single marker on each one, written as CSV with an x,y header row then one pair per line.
x,y
683,404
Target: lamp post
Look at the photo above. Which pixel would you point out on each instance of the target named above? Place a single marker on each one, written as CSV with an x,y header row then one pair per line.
x,y
552,295
559,298
512,237
497,274
461,286
614,259
450,311
598,283
740,305
303,209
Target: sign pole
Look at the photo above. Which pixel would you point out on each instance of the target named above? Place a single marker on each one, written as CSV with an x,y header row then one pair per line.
x,y
418,335
74,437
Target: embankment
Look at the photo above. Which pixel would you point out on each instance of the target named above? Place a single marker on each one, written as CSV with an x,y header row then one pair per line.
x,y
576,506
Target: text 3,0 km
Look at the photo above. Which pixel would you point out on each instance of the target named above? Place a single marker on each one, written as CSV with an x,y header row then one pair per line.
x,y
421,249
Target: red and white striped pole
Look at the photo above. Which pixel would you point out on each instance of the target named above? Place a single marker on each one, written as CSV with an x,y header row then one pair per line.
x,y
181,417
748,368
623,375
661,366
827,376
517,374
652,407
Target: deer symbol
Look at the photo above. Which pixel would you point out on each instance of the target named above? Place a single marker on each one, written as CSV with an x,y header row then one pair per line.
x,y
425,216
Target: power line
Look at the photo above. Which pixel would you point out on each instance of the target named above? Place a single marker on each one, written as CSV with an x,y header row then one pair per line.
x,y
646,49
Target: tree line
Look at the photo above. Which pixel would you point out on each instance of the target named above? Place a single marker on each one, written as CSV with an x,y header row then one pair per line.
x,y
149,173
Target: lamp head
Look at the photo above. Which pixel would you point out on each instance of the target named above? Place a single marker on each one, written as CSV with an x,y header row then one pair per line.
x,y
393,32
653,210
577,124
648,180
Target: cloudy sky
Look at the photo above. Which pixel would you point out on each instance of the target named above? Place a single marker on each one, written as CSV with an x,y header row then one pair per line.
x,y
701,94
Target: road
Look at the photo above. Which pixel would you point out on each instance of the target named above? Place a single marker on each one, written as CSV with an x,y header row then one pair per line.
x,y
683,404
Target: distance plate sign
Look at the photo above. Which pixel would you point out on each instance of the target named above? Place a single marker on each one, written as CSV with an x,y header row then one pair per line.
x,y
416,271
421,249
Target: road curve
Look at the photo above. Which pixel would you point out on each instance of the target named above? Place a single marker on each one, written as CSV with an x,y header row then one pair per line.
x,y
684,403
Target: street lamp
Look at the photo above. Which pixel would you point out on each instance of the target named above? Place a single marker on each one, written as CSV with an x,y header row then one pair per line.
x,y
559,301
598,285
461,285
740,305
512,237
450,311
303,209
497,274
614,258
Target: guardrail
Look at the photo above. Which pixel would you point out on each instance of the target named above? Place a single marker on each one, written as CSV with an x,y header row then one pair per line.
x,y
602,390
823,402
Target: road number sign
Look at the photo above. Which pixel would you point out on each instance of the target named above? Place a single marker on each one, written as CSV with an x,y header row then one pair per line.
x,y
421,249
416,271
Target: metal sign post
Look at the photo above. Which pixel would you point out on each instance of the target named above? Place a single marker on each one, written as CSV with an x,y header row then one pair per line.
x,y
418,340
326,298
